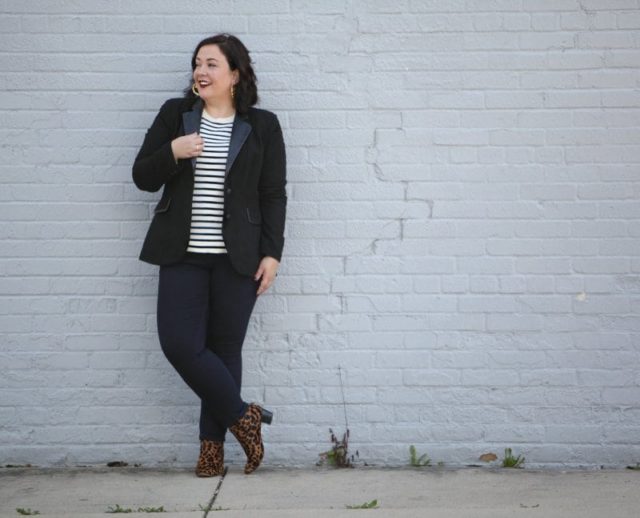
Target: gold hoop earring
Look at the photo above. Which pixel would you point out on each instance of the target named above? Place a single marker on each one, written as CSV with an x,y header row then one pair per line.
x,y
194,89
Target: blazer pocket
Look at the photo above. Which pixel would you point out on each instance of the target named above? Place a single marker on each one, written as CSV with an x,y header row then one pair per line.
x,y
254,216
162,206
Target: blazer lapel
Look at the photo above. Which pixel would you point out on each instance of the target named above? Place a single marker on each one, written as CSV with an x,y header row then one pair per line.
x,y
239,134
191,123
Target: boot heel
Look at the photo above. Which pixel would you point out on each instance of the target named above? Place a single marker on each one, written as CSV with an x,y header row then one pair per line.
x,y
266,416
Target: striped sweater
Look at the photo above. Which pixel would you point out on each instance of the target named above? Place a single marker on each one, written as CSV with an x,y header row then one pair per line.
x,y
207,208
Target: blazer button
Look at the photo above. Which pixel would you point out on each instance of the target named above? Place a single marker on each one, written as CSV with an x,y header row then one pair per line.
x,y
229,190
228,216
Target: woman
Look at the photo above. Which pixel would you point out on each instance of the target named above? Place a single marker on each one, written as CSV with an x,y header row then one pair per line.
x,y
217,234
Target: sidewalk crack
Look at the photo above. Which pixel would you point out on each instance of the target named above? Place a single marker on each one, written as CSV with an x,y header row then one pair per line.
x,y
215,493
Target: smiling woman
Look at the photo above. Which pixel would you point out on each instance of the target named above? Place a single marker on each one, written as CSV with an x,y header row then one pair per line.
x,y
214,81
219,70
217,234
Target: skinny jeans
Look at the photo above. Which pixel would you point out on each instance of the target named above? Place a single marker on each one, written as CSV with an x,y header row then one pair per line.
x,y
204,307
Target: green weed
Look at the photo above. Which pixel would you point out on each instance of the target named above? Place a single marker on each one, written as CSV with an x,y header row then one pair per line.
x,y
118,509
418,462
338,456
367,505
510,461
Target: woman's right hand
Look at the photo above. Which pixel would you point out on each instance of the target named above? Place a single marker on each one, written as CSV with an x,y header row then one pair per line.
x,y
188,146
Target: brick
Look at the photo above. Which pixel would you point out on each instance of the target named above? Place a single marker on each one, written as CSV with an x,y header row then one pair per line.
x,y
313,303
515,322
429,303
372,264
469,322
431,377
428,228
458,360
427,265
408,322
373,304
450,284
400,247
334,323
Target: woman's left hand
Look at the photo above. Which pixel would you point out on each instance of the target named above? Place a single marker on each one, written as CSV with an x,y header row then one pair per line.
x,y
266,273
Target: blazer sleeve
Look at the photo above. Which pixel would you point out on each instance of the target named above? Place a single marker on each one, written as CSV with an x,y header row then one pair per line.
x,y
272,194
155,165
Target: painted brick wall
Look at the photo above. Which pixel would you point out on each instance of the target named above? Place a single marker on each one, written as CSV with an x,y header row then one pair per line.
x,y
463,232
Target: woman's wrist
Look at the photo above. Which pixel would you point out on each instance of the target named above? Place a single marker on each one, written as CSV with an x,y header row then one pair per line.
x,y
173,150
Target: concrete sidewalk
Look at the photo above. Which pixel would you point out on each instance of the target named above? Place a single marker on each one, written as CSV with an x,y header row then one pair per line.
x,y
319,492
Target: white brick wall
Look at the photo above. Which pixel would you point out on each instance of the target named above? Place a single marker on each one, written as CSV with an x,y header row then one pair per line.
x,y
462,236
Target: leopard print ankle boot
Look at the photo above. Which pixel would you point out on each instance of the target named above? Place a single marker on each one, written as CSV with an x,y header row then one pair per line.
x,y
211,459
247,430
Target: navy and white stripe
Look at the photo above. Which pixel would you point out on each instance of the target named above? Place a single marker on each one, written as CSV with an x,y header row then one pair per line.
x,y
207,208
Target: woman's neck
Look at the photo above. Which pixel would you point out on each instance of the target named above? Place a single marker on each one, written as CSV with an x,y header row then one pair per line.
x,y
219,110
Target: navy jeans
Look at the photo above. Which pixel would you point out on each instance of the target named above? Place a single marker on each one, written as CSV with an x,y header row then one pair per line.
x,y
204,307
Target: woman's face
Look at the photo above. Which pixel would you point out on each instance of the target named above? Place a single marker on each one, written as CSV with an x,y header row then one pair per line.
x,y
212,74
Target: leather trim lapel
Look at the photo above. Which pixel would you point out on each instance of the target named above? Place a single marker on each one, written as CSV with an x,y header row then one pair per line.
x,y
191,122
239,134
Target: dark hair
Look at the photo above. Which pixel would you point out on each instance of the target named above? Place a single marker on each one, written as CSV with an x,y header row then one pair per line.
x,y
246,91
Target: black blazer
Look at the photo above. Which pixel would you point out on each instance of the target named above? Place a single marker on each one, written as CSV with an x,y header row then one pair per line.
x,y
254,187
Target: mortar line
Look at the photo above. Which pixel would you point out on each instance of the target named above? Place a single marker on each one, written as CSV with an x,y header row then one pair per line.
x,y
215,493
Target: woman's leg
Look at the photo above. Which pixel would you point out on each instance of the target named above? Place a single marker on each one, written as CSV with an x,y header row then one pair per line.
x,y
183,313
232,297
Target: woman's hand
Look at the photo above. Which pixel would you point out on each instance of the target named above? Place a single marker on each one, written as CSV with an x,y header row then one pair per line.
x,y
188,146
266,273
